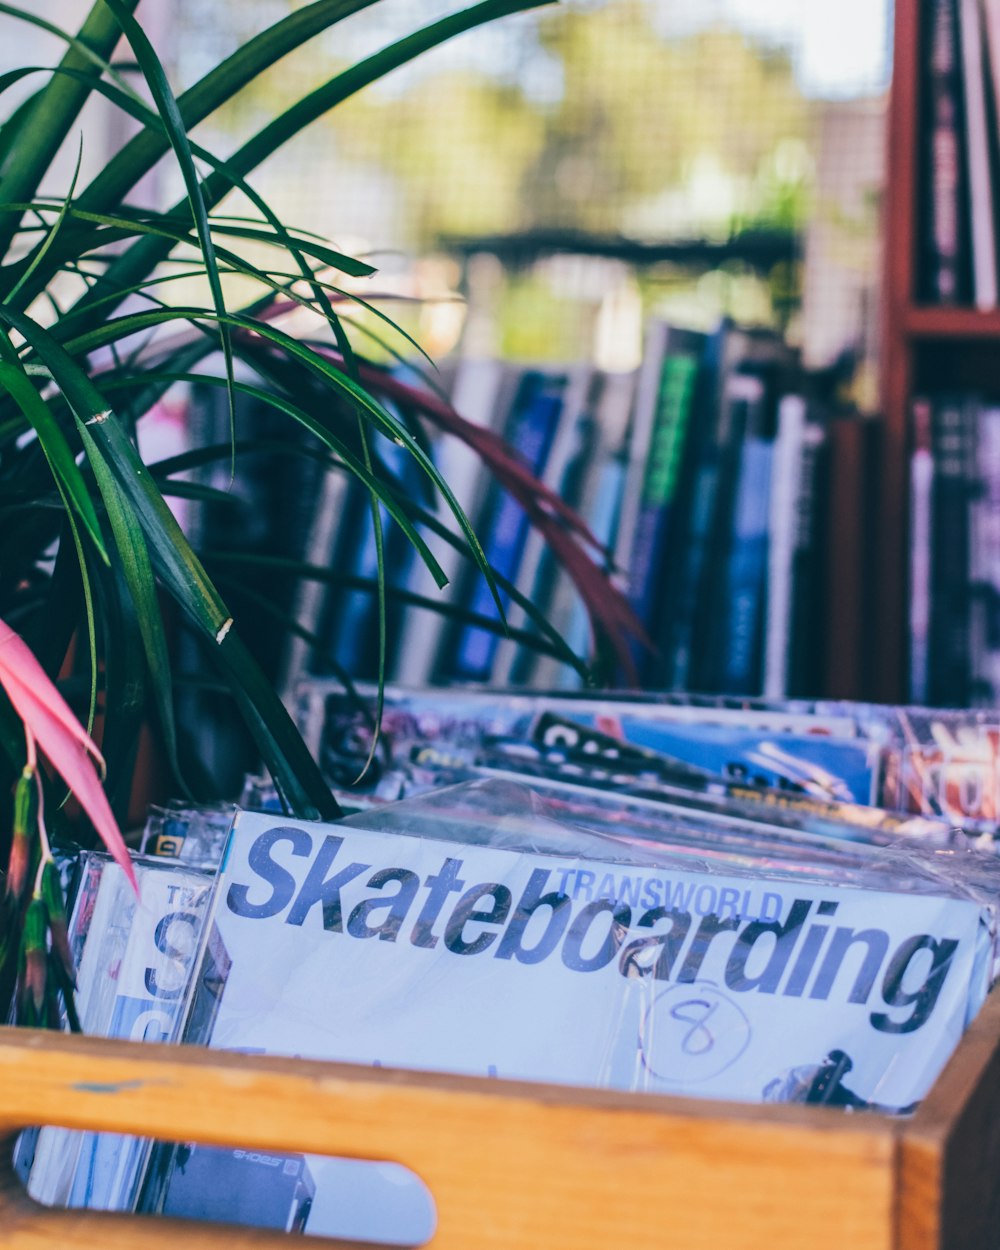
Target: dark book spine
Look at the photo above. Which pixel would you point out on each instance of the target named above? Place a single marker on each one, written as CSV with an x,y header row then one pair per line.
x,y
946,276
711,619
676,392
844,539
807,623
685,549
949,669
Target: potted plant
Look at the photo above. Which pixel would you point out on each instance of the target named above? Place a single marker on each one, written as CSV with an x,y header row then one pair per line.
x,y
92,560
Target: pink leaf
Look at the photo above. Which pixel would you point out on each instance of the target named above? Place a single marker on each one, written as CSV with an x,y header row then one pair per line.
x,y
62,738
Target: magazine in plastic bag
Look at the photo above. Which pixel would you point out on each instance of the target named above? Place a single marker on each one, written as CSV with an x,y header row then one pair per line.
x,y
771,746
890,978
134,958
471,932
938,763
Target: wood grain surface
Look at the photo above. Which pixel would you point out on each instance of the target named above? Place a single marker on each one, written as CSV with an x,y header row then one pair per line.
x,y
525,1166
509,1164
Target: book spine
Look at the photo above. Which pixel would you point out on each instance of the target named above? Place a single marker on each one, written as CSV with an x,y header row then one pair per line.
x,y
514,662
673,414
977,139
786,488
477,394
535,425
745,588
689,537
310,594
640,437
346,632
845,536
709,628
921,530
600,507
987,547
949,668
808,619
945,240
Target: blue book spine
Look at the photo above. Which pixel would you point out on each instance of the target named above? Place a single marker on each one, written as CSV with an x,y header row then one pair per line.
x,y
534,427
746,576
603,523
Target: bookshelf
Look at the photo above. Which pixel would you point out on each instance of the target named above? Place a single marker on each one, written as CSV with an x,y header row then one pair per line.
x,y
923,345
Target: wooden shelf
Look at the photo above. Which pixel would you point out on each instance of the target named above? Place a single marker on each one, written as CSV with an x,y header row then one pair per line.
x,y
924,348
930,322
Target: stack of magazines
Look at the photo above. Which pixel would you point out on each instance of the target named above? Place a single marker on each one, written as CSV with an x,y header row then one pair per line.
x,y
751,902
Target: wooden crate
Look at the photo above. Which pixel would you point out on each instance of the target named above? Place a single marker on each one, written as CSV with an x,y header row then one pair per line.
x,y
527,1167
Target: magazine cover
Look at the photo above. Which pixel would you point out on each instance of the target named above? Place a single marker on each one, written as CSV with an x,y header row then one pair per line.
x,y
616,962
326,713
946,763
472,959
775,747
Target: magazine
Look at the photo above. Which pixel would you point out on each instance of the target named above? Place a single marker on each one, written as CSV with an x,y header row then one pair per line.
x,y
823,756
474,959
938,763
613,963
134,958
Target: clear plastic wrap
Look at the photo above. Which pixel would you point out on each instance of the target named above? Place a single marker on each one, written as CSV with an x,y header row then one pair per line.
x,y
470,931
194,834
134,958
942,764
579,938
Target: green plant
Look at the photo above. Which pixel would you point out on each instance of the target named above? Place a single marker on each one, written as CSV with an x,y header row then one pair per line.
x,y
90,552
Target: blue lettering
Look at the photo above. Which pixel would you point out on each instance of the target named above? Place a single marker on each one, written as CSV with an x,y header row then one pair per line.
x,y
608,888
770,909
704,900
652,893
584,884
630,890
729,901
679,898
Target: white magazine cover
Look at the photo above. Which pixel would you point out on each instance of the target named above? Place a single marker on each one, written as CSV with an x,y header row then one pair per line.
x,y
494,962
380,948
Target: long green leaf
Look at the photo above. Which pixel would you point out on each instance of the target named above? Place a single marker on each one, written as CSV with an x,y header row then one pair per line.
x,y
166,104
317,365
55,109
137,570
56,448
280,237
137,108
358,467
217,87
226,560
53,234
87,54
284,753
128,223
